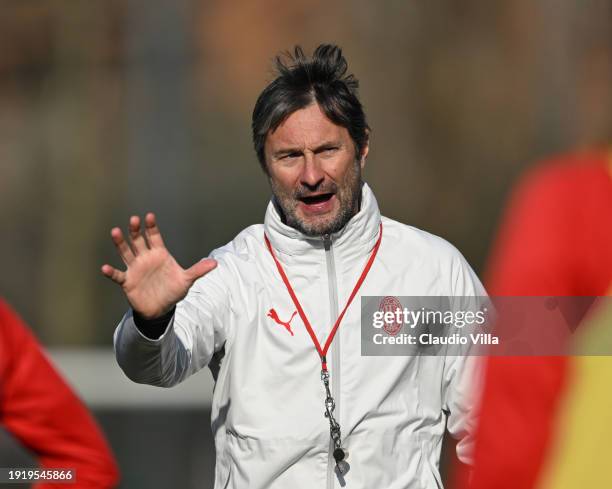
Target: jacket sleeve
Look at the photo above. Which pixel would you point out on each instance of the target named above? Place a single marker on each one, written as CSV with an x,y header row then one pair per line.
x,y
42,412
461,378
198,329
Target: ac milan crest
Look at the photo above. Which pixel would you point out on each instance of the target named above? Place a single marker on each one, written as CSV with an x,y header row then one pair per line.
x,y
391,304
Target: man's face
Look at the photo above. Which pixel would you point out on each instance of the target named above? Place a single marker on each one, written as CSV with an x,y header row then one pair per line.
x,y
314,172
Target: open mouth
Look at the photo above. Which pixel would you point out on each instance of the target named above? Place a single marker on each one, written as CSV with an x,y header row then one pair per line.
x,y
316,199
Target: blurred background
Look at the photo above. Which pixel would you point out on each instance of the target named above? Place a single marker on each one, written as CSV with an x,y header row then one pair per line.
x,y
120,107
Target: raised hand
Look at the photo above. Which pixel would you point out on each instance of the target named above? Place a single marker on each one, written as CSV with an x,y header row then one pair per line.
x,y
153,282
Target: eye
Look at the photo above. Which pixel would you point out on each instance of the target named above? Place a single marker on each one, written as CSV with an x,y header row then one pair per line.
x,y
328,150
290,156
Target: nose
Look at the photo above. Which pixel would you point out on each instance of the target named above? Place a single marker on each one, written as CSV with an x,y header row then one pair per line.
x,y
312,174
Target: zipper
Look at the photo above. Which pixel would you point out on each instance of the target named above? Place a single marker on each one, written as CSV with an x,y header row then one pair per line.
x,y
335,347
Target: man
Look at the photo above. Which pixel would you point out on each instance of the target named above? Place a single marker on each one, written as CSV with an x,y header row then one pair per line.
x,y
275,313
42,412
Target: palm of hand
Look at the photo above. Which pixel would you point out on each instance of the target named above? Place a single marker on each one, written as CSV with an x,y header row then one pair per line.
x,y
153,282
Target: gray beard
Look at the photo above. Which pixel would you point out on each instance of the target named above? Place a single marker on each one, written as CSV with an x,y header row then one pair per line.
x,y
347,211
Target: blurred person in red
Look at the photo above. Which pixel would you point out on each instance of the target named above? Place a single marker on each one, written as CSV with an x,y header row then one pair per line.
x,y
39,409
555,240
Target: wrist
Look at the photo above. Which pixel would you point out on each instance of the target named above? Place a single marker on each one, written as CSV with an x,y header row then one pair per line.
x,y
153,327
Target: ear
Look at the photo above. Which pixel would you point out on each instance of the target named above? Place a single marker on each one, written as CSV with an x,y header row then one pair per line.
x,y
264,166
365,150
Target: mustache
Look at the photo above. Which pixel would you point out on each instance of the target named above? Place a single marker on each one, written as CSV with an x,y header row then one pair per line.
x,y
329,188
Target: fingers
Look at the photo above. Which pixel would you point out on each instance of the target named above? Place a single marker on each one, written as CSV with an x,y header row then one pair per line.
x,y
122,247
115,275
139,244
152,232
201,268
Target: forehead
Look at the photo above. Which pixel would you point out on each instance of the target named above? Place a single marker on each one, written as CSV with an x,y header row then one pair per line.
x,y
307,127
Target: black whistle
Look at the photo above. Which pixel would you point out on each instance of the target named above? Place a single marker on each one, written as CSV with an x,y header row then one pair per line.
x,y
339,455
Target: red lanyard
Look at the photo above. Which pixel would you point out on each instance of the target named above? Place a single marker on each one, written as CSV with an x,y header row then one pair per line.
x,y
323,351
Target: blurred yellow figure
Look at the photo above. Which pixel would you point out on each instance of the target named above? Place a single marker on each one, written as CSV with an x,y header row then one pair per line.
x,y
580,453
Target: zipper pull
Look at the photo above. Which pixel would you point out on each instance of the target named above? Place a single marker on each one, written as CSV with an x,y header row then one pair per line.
x,y
327,242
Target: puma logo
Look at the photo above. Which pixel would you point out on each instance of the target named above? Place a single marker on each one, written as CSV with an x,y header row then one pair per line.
x,y
272,314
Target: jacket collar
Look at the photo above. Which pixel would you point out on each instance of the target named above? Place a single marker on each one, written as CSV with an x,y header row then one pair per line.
x,y
355,239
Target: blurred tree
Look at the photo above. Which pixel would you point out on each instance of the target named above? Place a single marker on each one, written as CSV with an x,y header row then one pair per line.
x,y
116,107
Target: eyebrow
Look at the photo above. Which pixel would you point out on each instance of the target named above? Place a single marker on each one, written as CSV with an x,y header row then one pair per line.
x,y
320,147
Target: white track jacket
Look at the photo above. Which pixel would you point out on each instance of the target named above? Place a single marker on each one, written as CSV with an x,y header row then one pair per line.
x,y
268,403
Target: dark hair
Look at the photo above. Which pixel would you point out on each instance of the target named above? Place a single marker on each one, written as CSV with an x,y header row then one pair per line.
x,y
302,81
